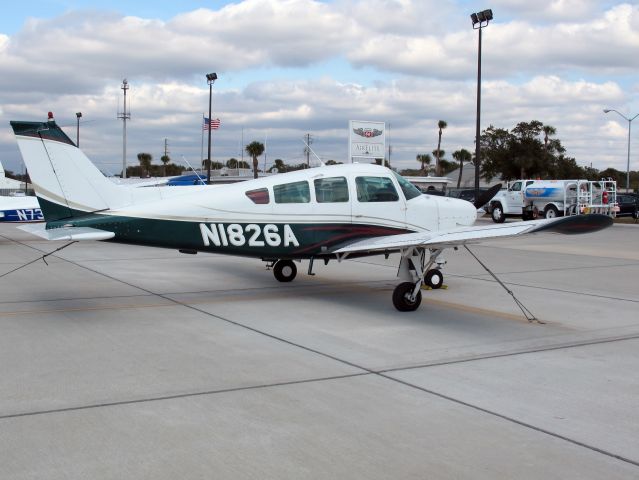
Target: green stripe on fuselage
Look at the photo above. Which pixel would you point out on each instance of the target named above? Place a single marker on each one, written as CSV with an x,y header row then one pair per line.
x,y
261,240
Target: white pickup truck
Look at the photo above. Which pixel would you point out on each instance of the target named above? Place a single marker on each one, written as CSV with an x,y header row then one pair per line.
x,y
530,199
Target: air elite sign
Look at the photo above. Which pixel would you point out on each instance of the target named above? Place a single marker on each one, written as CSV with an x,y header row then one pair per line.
x,y
366,139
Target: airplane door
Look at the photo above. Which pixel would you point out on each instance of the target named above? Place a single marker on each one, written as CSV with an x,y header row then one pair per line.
x,y
376,202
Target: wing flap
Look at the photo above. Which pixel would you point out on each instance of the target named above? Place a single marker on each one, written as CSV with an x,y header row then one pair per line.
x,y
478,233
68,233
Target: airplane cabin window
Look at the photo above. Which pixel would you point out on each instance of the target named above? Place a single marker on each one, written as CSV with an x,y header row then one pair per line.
x,y
259,196
410,190
376,189
296,192
331,190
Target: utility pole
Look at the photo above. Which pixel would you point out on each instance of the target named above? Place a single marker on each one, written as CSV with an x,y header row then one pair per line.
x,y
390,149
124,115
307,149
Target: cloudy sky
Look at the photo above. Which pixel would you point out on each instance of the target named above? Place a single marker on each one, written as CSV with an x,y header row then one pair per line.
x,y
291,67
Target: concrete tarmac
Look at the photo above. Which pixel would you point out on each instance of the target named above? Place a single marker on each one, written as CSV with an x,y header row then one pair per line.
x,y
126,362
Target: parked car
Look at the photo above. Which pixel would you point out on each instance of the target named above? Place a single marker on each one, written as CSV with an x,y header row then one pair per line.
x,y
628,205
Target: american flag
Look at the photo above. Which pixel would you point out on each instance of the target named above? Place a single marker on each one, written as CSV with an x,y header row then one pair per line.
x,y
213,124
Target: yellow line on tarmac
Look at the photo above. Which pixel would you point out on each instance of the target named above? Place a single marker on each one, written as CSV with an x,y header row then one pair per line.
x,y
271,295
478,310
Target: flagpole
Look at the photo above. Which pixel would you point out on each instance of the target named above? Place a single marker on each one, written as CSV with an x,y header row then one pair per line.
x,y
202,148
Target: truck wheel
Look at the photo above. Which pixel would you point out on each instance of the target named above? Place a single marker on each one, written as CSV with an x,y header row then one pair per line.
x,y
551,212
498,213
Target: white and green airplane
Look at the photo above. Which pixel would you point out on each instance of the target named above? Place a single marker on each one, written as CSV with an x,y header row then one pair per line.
x,y
323,213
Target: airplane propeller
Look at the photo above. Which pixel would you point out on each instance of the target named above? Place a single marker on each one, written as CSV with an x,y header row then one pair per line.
x,y
485,197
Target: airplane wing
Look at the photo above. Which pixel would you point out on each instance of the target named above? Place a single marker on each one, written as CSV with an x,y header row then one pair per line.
x,y
68,233
478,233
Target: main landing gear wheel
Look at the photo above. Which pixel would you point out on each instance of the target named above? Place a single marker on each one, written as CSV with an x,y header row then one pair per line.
x,y
284,270
434,279
402,297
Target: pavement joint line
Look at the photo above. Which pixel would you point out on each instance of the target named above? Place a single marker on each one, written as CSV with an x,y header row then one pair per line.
x,y
559,290
513,420
178,396
513,353
365,371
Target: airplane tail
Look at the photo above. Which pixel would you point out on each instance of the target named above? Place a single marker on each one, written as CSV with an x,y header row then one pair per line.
x,y
66,183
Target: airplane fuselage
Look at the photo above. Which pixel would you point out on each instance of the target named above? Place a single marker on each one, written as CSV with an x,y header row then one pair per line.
x,y
294,215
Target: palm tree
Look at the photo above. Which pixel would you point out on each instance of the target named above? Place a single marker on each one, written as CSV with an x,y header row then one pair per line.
x,y
442,125
165,159
255,149
424,159
145,160
462,156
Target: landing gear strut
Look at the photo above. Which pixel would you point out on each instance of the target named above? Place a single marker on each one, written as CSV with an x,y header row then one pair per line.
x,y
284,270
413,268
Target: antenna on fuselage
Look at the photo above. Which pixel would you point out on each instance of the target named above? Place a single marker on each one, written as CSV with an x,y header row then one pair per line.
x,y
311,150
201,179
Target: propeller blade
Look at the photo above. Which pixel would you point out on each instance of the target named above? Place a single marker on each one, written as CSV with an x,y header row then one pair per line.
x,y
485,197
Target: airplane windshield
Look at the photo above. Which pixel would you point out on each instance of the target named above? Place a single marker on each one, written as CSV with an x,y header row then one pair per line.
x,y
410,190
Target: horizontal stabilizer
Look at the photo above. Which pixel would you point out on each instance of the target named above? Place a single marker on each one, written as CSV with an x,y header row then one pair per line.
x,y
478,233
68,233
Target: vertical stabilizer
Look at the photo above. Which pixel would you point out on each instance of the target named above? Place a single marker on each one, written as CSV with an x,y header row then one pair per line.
x,y
66,183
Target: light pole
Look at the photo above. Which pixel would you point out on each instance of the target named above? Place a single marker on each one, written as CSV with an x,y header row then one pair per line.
x,y
480,20
607,110
210,78
77,137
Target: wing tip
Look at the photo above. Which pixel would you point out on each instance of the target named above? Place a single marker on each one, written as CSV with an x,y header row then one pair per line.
x,y
577,224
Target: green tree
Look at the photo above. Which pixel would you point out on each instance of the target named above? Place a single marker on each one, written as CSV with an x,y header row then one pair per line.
x,y
165,159
231,163
462,156
279,165
424,159
145,160
521,153
441,125
255,149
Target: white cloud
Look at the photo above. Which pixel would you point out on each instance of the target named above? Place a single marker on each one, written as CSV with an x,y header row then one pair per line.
x,y
416,61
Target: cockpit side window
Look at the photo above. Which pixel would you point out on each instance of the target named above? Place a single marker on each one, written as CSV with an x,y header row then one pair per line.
x,y
296,192
259,196
376,189
410,190
331,190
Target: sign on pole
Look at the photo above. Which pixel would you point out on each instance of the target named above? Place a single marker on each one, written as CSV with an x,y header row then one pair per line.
x,y
366,139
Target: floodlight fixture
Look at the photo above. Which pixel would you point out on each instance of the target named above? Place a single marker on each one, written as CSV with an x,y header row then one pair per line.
x,y
481,19
211,77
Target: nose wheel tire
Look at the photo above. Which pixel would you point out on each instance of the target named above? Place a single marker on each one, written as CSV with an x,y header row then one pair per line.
x,y
284,270
402,300
434,279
